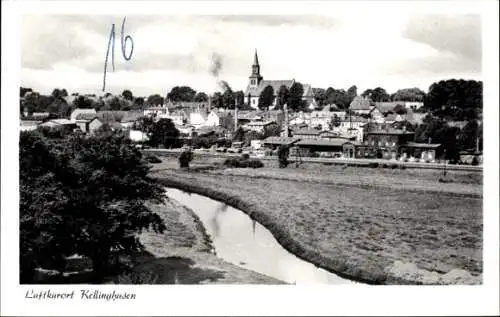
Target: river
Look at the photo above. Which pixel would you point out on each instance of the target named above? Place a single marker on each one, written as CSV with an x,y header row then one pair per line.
x,y
241,241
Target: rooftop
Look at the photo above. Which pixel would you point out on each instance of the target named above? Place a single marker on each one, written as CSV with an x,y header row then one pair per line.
x,y
330,142
421,145
280,140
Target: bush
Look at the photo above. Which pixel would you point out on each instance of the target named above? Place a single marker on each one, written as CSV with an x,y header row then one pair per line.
x,y
243,162
255,163
185,158
385,165
393,166
402,167
475,161
314,154
152,159
245,156
373,164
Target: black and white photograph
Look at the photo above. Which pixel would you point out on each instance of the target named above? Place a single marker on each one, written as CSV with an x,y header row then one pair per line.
x,y
340,146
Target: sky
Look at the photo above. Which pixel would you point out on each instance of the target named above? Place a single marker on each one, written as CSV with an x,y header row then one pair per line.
x,y
392,50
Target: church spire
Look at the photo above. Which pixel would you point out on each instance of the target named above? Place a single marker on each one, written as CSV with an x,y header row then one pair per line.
x,y
256,59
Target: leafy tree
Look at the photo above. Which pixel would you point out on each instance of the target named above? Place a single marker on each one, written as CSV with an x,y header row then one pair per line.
x,y
239,97
155,100
217,100
283,152
81,195
455,99
378,94
127,94
228,98
138,103
116,104
295,101
334,122
282,96
320,96
201,97
82,102
272,130
399,109
408,94
23,91
59,93
266,98
181,93
185,158
352,92
164,133
469,135
239,135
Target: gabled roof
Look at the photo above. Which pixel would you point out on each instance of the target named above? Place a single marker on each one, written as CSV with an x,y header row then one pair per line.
x,y
390,131
421,145
306,132
86,116
388,106
280,140
322,142
361,103
276,84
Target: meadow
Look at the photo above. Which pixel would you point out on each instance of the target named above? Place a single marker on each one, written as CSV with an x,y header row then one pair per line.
x,y
373,225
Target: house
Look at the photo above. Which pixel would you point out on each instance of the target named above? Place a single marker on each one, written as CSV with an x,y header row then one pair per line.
x,y
84,119
328,148
214,118
413,105
257,84
60,124
423,151
258,126
137,136
94,125
130,118
29,125
353,122
306,134
384,143
198,119
274,142
155,111
83,114
361,105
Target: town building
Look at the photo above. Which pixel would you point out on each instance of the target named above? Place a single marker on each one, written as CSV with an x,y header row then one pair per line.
x,y
257,84
82,114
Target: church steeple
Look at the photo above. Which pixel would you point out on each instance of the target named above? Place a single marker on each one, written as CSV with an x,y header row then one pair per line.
x,y
255,59
255,77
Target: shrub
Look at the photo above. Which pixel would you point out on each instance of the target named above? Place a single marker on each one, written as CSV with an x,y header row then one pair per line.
x,y
373,164
475,161
393,166
255,163
152,159
185,158
245,156
314,154
402,167
231,162
243,162
385,165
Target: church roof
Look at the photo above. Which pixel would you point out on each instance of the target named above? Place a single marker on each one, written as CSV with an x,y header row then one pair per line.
x,y
276,84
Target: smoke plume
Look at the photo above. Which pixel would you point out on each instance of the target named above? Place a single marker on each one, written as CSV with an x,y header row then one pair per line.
x,y
216,66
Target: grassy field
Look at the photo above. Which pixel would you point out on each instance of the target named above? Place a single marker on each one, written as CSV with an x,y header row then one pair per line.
x,y
378,226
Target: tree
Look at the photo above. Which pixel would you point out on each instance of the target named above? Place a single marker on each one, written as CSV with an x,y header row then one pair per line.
x,y
239,97
272,130
408,94
181,93
455,99
282,96
283,152
138,103
127,94
116,104
378,94
217,100
82,102
185,158
239,135
266,98
399,109
295,101
81,195
334,122
23,91
201,97
59,93
320,96
469,135
155,100
164,133
228,99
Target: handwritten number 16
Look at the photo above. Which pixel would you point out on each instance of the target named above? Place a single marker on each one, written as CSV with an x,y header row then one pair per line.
x,y
111,43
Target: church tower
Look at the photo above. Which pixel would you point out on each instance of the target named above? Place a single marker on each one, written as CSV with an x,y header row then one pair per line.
x,y
255,77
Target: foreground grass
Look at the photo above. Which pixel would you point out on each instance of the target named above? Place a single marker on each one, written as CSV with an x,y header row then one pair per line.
x,y
411,230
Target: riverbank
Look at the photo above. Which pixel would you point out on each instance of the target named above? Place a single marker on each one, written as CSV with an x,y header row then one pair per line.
x,y
429,233
184,254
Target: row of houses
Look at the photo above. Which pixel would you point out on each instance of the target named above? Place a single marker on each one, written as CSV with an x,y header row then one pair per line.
x,y
380,142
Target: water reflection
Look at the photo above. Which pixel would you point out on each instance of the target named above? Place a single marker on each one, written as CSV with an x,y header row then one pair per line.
x,y
244,242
